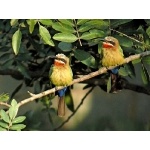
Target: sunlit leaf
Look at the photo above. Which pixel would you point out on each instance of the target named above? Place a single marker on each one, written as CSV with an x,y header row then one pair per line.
x,y
82,21
46,22
58,26
2,129
85,57
92,34
13,110
16,41
67,22
4,116
4,125
31,24
123,72
65,37
19,119
13,22
17,127
44,33
4,97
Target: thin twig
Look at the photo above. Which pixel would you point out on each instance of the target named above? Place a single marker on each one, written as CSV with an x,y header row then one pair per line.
x,y
127,36
83,78
77,32
4,104
82,100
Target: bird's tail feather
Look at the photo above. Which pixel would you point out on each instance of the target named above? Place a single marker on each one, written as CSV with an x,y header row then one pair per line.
x,y
61,107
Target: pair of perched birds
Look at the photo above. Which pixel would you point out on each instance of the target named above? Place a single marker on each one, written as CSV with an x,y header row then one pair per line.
x,y
61,74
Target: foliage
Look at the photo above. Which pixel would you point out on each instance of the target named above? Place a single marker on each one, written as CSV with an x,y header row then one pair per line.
x,y
26,44
9,121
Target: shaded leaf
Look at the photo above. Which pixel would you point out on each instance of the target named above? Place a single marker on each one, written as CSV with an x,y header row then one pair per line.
x,y
37,87
4,116
66,47
65,37
116,22
145,75
45,35
130,69
85,57
58,26
146,59
5,56
16,41
148,31
13,22
23,70
69,100
16,90
17,127
7,64
136,61
4,97
92,34
18,119
109,84
46,22
123,72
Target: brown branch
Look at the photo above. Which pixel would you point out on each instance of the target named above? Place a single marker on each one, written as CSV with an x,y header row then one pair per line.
x,y
83,78
4,104
82,100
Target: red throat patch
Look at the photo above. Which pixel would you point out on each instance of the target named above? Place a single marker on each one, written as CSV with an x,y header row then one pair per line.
x,y
56,63
107,45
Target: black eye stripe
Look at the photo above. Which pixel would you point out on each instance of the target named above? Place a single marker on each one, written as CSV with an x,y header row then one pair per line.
x,y
113,43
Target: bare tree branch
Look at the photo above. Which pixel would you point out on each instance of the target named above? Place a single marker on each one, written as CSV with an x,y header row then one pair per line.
x,y
4,104
82,100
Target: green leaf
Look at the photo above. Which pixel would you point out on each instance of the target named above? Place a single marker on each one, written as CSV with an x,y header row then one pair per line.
x,y
13,110
4,97
69,100
145,75
67,22
46,22
18,119
123,72
23,70
3,124
58,26
2,129
7,64
109,84
136,61
146,59
82,21
116,22
66,47
98,24
37,87
130,69
17,127
92,34
45,35
85,57
16,41
4,116
5,56
148,31
31,24
13,22
124,41
65,37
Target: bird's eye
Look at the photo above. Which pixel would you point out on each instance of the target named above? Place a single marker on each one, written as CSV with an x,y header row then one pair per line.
x,y
113,43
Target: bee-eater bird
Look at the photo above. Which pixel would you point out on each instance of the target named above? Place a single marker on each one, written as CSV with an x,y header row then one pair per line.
x,y
61,75
112,55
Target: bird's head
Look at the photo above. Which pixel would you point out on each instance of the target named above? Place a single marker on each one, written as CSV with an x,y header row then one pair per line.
x,y
110,42
61,60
